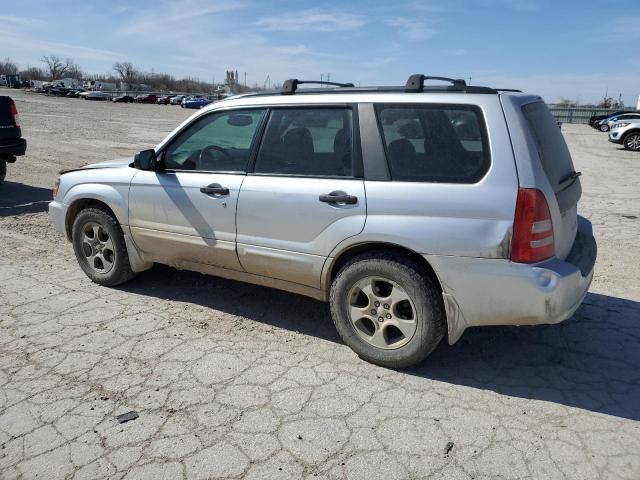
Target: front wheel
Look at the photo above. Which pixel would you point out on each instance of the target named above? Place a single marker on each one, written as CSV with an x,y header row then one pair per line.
x,y
387,309
3,170
100,249
632,141
604,127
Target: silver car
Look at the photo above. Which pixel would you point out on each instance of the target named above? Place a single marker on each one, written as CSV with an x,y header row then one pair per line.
x,y
627,134
415,211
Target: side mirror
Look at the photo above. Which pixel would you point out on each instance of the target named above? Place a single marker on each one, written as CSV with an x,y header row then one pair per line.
x,y
145,160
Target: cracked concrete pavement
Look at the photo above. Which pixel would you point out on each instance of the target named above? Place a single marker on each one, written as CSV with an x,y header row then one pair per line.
x,y
238,381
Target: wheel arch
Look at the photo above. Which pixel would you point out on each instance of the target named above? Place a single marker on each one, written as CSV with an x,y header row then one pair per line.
x,y
352,251
630,132
80,204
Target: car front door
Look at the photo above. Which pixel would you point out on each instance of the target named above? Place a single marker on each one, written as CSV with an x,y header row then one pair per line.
x,y
304,196
185,212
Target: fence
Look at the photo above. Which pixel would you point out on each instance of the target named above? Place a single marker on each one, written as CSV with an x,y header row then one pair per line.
x,y
576,114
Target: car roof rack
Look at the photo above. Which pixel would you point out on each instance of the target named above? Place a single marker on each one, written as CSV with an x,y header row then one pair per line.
x,y
507,90
290,86
415,84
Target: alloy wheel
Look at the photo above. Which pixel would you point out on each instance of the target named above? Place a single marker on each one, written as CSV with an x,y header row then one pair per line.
x,y
632,142
97,247
382,313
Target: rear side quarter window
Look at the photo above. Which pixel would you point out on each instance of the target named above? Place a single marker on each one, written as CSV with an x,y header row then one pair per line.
x,y
434,142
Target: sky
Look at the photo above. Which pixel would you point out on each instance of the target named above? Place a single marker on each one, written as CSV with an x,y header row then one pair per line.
x,y
573,49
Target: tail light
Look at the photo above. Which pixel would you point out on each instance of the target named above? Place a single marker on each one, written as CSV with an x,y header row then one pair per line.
x,y
14,113
532,239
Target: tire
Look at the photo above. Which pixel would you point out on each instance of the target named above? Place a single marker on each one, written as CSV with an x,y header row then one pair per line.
x,y
632,141
98,241
3,170
604,127
375,337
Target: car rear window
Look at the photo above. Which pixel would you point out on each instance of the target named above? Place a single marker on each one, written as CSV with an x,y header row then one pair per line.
x,y
552,149
434,142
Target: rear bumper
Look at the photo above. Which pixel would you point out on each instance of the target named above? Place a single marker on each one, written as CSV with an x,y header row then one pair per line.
x,y
482,292
13,148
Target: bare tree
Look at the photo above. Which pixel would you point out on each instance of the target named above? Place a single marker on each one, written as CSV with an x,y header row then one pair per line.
x,y
57,68
127,73
32,73
7,67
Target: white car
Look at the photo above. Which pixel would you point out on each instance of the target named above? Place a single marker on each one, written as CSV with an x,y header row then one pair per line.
x,y
177,100
626,133
607,125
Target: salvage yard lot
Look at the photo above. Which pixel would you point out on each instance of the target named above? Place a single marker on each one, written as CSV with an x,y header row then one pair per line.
x,y
234,380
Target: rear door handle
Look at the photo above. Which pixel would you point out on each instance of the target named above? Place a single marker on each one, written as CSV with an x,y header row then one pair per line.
x,y
215,189
339,196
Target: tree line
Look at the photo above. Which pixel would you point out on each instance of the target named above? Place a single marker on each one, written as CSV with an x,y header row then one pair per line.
x,y
55,67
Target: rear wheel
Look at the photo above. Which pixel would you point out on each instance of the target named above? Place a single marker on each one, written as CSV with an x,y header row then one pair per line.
x,y
632,141
604,127
387,309
3,170
98,243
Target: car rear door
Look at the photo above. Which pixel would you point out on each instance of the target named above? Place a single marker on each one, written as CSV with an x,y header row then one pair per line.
x,y
305,194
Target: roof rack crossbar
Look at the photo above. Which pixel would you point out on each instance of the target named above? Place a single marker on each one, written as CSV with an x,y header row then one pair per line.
x,y
416,82
290,86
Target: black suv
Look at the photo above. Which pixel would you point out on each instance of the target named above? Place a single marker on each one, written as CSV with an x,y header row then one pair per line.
x,y
12,144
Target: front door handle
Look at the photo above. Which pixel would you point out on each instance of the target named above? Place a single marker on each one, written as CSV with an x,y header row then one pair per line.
x,y
339,196
215,189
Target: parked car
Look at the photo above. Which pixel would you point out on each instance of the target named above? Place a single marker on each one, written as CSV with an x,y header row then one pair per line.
x,y
606,124
462,225
163,100
177,100
195,102
100,96
596,118
123,99
12,144
75,93
146,98
626,133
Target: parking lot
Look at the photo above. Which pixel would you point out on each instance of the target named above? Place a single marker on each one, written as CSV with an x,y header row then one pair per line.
x,y
238,381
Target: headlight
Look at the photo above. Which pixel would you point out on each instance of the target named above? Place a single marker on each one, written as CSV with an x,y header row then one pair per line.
x,y
621,124
55,188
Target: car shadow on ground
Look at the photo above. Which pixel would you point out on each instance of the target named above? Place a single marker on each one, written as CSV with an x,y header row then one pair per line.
x,y
273,307
591,361
19,198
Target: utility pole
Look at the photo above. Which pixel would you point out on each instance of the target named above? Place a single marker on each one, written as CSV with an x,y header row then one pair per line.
x,y
470,80
321,78
245,79
328,77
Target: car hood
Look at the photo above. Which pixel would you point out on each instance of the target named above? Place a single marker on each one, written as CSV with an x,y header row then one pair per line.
x,y
117,163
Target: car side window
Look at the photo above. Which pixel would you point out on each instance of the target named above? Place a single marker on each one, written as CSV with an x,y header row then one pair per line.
x,y
434,142
219,142
308,142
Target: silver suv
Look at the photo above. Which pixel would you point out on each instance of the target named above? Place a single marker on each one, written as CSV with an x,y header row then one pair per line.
x,y
626,133
415,211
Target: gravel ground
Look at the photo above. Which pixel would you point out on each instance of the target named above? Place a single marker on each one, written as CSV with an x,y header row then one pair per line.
x,y
232,380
